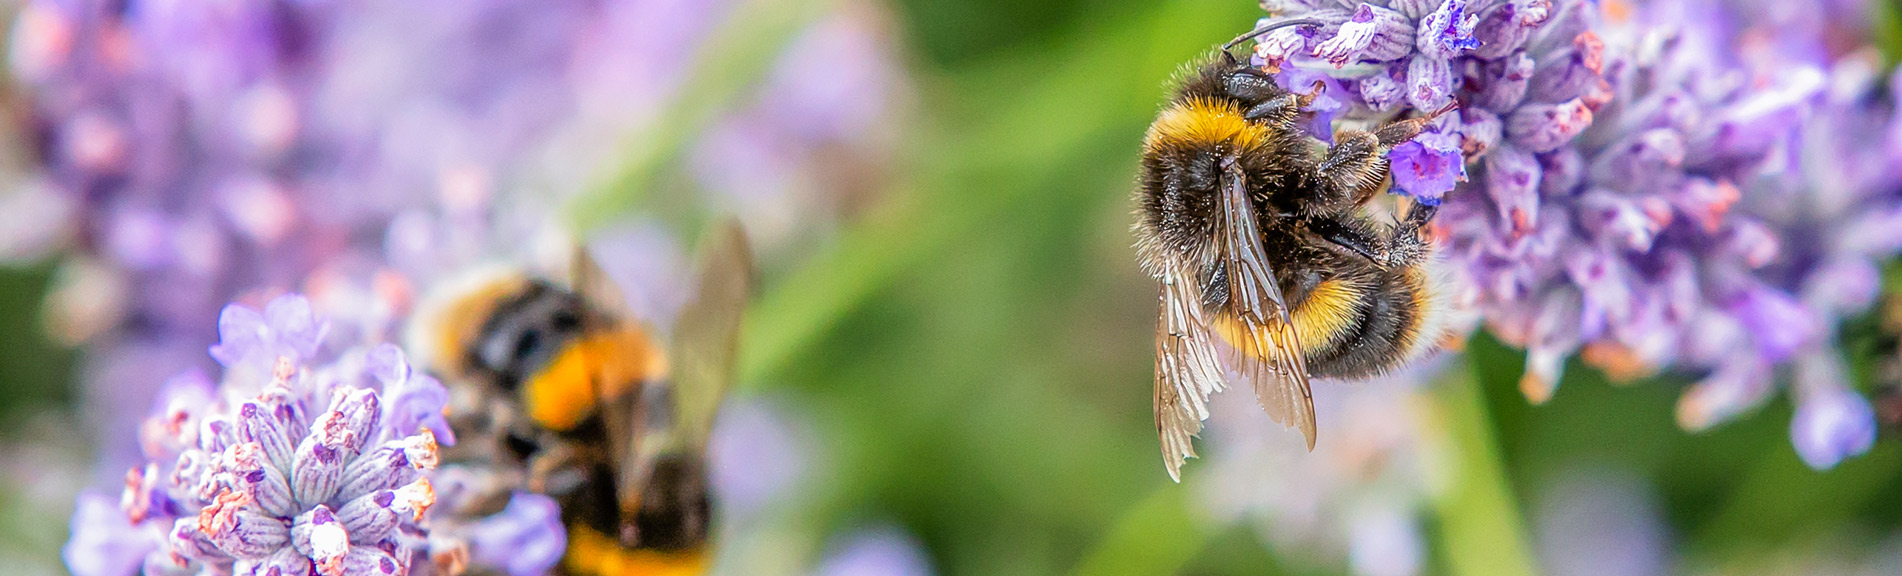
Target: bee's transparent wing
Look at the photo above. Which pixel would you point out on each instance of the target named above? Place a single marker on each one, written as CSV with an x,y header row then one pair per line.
x,y
707,334
1256,316
1187,369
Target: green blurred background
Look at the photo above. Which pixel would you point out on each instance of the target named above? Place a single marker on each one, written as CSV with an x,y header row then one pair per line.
x,y
975,350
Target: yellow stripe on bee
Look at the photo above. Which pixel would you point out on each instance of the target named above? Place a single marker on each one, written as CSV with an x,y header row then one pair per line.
x,y
1320,321
594,367
1204,121
590,552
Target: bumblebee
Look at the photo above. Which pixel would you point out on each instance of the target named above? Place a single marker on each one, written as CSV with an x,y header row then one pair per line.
x,y
1261,240
561,385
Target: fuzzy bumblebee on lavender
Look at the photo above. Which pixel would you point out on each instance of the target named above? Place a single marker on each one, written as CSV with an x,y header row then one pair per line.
x,y
1262,241
558,386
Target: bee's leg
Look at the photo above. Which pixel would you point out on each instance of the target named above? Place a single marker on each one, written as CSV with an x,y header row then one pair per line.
x,y
1280,109
1398,247
1407,246
1355,168
1348,234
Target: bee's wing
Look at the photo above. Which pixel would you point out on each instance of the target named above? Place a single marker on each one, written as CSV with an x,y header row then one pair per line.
x,y
707,334
603,298
1270,349
1188,367
1187,370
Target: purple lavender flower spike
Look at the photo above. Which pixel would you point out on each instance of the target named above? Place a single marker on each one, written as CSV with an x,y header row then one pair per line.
x,y
228,504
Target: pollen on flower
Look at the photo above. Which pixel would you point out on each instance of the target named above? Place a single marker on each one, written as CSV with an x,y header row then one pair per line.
x,y
222,513
417,497
421,450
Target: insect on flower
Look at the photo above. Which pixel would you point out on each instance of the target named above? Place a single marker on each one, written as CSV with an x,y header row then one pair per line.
x,y
1261,244
564,385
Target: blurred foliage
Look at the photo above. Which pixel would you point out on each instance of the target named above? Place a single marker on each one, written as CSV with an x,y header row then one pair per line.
x,y
35,373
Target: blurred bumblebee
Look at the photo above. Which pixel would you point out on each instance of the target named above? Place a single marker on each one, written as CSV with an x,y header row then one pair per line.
x,y
1261,239
562,385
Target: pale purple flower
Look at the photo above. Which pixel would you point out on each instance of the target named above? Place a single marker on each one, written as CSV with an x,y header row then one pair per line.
x,y
1832,422
876,551
525,539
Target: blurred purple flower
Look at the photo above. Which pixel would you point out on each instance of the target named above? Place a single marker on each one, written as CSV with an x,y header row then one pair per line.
x,y
877,551
1832,422
525,539
306,476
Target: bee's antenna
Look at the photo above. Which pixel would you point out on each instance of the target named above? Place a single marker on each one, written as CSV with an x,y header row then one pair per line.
x,y
1270,27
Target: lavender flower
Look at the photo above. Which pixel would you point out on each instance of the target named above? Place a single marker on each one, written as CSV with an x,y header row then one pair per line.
x,y
307,473
1702,225
1699,224
1526,74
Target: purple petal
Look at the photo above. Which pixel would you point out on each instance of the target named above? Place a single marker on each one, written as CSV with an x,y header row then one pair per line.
x,y
1512,181
1447,31
1832,423
1778,323
1424,173
877,552
240,331
104,542
1429,82
1373,33
525,539
295,325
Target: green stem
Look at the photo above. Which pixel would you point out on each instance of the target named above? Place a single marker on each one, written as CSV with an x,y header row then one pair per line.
x,y
1481,532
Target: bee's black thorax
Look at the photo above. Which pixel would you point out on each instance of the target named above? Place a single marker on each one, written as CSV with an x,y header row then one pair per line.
x,y
525,333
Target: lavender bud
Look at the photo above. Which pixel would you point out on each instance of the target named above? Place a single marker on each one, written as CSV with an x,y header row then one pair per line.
x,y
1737,386
1505,28
1382,90
1512,179
1567,74
1544,127
1447,31
1373,33
1832,422
369,562
319,535
259,424
318,467
1429,82
1503,82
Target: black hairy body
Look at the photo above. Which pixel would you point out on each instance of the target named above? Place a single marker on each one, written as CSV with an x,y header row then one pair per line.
x,y
1259,236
